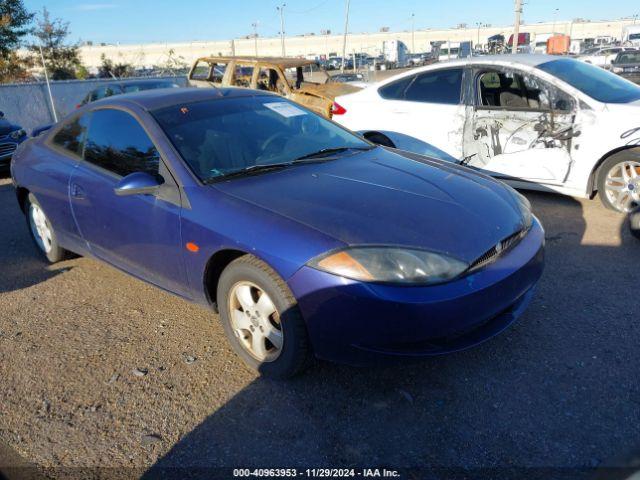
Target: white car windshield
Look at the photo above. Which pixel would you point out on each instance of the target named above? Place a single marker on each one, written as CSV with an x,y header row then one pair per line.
x,y
596,82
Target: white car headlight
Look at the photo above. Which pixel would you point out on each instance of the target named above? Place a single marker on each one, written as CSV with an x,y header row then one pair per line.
x,y
390,265
17,134
617,70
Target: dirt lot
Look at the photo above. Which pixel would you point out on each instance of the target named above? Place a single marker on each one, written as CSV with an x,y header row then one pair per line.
x,y
100,370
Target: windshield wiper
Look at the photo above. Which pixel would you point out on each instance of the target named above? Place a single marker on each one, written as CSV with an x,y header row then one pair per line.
x,y
325,152
248,171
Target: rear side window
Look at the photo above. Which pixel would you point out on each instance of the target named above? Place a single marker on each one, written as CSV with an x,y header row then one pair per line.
x,y
71,136
443,86
395,90
119,144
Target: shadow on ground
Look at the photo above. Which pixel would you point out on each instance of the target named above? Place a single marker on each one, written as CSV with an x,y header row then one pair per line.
x,y
559,389
22,264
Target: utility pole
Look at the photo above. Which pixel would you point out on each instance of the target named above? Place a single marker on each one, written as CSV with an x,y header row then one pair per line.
x,y
555,18
344,38
413,33
281,10
516,27
255,36
478,24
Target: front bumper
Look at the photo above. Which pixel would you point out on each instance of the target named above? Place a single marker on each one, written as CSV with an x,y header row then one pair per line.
x,y
360,323
6,151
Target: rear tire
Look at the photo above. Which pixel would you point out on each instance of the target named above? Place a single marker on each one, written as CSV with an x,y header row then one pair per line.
x,y
42,232
618,181
261,319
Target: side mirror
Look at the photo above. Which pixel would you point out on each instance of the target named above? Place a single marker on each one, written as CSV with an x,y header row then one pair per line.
x,y
1,114
138,183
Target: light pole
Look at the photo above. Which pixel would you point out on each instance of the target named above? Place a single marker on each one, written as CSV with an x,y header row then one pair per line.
x,y
255,36
516,26
478,24
344,38
281,10
555,18
413,33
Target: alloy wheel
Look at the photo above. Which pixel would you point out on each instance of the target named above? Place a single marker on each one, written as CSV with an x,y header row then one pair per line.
x,y
40,228
622,186
255,321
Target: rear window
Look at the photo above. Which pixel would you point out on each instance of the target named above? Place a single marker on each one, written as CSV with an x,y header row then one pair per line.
x,y
439,86
593,81
148,86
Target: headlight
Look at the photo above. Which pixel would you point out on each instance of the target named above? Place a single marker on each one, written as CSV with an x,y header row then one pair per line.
x,y
17,134
617,70
390,265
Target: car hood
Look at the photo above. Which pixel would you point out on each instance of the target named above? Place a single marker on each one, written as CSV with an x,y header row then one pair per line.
x,y
384,198
6,127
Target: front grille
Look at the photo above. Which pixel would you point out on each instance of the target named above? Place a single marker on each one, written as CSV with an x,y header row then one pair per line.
x,y
492,255
7,148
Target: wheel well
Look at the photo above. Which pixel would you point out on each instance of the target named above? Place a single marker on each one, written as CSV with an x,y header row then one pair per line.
x,y
593,179
216,264
22,194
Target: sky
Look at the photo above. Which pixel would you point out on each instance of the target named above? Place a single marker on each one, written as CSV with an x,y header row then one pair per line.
x,y
143,21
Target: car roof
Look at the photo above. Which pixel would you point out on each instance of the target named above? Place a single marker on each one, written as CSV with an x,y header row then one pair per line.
x,y
281,62
166,97
530,59
527,59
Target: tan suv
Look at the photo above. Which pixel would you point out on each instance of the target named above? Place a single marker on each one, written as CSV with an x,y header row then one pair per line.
x,y
284,76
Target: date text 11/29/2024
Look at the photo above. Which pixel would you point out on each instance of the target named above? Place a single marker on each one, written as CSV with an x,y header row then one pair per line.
x,y
316,472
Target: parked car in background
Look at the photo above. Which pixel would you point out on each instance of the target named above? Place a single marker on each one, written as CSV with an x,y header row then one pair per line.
x,y
284,76
11,136
537,121
627,65
601,56
118,88
309,239
356,79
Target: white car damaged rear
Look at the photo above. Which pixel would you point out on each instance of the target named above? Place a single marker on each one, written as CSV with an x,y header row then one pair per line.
x,y
536,121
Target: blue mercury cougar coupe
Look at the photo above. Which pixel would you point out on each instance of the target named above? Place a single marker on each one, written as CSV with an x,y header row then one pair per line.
x,y
308,239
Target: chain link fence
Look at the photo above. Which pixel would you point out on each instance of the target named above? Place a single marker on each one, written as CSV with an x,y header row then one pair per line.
x,y
28,104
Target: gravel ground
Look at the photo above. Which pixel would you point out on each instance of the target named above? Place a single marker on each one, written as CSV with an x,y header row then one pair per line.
x,y
101,370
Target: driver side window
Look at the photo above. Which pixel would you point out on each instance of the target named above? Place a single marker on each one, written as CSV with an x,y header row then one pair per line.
x,y
508,90
117,142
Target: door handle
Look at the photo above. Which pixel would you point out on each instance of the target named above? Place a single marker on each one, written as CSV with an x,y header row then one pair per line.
x,y
77,191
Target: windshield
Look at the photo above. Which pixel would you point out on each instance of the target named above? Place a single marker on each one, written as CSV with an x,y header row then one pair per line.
x,y
594,81
628,57
222,136
634,36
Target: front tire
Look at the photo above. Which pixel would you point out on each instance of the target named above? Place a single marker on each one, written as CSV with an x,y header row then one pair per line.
x,y
42,232
261,319
619,181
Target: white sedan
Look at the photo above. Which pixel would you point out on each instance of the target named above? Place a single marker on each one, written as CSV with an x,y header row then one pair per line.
x,y
538,122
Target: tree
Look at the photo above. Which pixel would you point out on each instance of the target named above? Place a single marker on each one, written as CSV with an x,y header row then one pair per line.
x,y
14,25
108,69
62,59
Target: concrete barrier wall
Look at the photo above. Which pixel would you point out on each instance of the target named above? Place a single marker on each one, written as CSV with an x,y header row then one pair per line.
x,y
28,105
